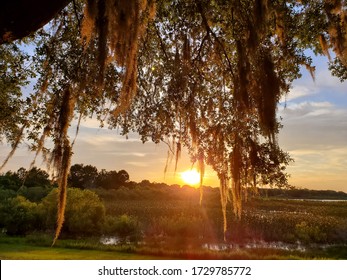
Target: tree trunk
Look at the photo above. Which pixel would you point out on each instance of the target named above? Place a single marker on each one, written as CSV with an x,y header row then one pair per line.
x,y
20,18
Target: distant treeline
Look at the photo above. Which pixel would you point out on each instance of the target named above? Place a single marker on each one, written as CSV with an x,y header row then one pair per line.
x,y
35,184
297,193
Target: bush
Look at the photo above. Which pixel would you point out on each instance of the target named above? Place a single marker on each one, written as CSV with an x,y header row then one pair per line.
x,y
35,194
20,216
309,233
84,213
125,227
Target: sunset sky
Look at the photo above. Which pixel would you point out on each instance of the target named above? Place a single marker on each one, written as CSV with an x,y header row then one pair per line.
x,y
314,133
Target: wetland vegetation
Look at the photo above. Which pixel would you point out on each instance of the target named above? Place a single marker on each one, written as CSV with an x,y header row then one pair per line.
x,y
155,220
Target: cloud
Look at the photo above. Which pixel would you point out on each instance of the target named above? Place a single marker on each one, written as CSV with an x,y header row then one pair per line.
x,y
137,164
326,81
299,91
306,109
315,130
315,135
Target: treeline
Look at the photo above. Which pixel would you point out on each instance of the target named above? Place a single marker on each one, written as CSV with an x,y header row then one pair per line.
x,y
298,193
35,183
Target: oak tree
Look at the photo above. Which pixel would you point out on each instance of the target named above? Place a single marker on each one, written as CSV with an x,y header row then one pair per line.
x,y
205,74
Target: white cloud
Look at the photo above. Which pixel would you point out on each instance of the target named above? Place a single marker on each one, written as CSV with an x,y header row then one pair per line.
x,y
307,109
137,164
298,91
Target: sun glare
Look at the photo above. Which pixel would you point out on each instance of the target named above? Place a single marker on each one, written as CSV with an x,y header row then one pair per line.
x,y
191,177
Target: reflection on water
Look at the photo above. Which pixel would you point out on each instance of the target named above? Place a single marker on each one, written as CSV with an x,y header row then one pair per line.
x,y
114,240
319,200
254,245
110,240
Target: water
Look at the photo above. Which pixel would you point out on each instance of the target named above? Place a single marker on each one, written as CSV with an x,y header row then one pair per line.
x,y
110,240
319,200
114,240
255,245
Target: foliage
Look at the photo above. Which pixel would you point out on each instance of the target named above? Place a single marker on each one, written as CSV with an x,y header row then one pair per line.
x,y
10,180
33,184
35,177
338,69
82,176
125,227
14,72
112,179
34,194
85,213
19,216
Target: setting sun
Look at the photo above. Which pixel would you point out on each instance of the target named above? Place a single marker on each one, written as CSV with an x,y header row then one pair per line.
x,y
191,177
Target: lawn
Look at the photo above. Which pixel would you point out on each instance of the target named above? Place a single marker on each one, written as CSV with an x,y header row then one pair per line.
x,y
18,249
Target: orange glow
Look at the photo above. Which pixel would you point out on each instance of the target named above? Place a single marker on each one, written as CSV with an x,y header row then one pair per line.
x,y
191,177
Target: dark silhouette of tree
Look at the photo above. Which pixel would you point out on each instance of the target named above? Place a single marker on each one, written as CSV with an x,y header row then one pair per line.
x,y
10,180
145,183
36,177
122,177
108,179
83,176
20,18
112,179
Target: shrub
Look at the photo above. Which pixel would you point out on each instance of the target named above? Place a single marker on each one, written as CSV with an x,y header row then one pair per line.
x,y
20,216
84,214
124,226
309,233
35,194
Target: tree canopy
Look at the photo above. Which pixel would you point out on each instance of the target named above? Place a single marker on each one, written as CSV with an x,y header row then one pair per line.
x,y
205,74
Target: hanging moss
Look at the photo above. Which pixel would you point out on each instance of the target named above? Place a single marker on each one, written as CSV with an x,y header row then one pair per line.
x,y
337,26
14,146
324,45
224,194
61,155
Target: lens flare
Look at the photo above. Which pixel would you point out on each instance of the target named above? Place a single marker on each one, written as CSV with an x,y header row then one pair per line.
x,y
191,177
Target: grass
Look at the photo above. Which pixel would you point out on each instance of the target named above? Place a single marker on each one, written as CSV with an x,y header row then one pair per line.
x,y
17,248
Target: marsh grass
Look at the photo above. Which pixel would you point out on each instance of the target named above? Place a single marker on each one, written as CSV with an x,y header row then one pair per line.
x,y
179,228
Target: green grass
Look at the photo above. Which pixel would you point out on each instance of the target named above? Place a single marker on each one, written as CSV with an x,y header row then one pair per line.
x,y
19,249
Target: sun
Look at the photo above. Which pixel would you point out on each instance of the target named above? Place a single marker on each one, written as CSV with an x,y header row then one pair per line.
x,y
191,177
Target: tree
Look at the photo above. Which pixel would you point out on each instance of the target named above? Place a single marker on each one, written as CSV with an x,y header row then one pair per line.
x,y
19,216
82,176
10,181
205,74
36,177
122,177
112,179
20,18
